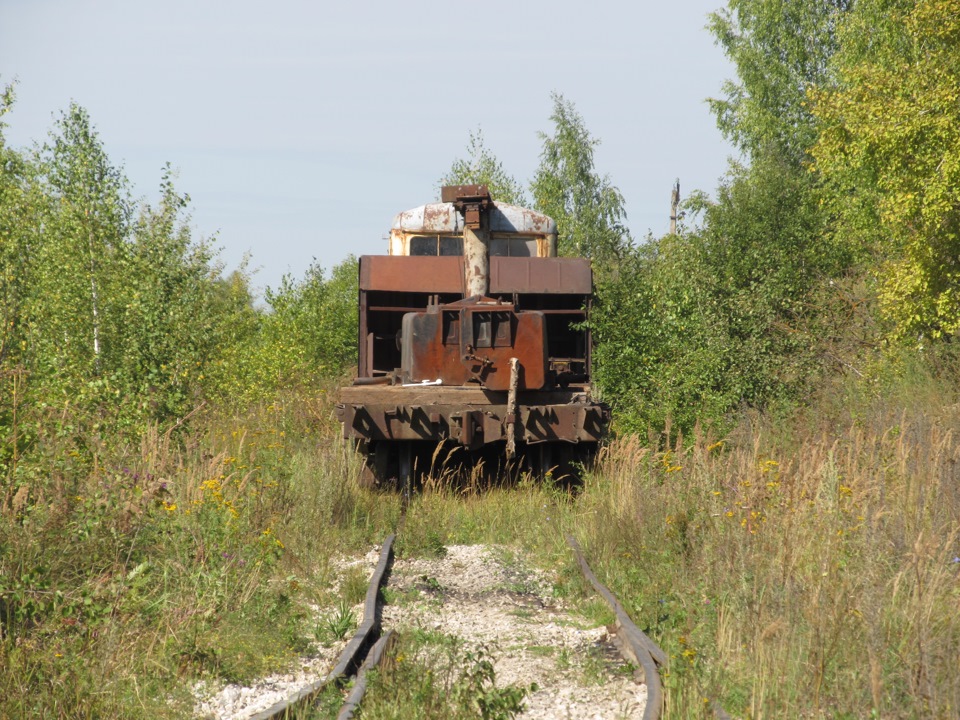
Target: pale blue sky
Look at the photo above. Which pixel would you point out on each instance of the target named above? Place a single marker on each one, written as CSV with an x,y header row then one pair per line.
x,y
300,129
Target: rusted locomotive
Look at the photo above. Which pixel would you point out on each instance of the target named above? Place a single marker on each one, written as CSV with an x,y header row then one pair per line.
x,y
473,345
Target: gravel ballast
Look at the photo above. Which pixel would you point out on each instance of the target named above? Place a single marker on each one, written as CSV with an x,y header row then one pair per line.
x,y
490,599
474,593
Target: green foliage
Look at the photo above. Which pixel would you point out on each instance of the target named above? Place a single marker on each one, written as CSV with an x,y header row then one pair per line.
x,y
177,315
117,323
481,167
890,152
79,259
779,49
321,313
660,353
730,314
698,324
17,225
588,208
309,334
109,305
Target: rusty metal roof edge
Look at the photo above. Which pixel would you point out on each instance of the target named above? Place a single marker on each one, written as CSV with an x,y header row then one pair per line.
x,y
443,217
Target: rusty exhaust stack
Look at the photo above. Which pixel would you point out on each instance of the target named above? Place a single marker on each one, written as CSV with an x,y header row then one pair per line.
x,y
473,201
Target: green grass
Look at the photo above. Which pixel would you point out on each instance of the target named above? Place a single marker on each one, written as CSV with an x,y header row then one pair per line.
x,y
336,625
803,567
126,572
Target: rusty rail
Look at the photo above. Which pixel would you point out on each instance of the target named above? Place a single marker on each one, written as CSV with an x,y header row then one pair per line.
x,y
369,629
352,655
374,657
636,646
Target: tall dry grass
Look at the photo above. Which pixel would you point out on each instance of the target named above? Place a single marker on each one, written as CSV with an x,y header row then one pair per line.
x,y
800,569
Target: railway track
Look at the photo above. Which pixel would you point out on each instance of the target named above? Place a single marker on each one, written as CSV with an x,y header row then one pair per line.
x,y
511,612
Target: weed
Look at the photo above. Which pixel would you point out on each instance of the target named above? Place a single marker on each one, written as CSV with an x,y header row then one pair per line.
x,y
594,667
429,583
392,596
172,559
336,625
432,675
353,587
541,650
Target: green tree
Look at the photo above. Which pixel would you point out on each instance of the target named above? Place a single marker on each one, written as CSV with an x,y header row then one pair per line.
x,y
481,167
110,306
660,353
718,316
779,48
727,314
323,313
173,319
17,224
19,229
308,334
890,152
588,208
81,253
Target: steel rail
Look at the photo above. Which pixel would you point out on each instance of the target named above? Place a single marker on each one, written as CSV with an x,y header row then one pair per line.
x,y
369,629
636,646
374,657
351,656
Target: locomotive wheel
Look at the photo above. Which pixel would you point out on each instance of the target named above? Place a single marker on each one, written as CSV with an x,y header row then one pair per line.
x,y
376,466
405,469
396,465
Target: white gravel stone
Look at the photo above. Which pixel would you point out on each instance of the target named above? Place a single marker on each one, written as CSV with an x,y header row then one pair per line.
x,y
236,702
508,609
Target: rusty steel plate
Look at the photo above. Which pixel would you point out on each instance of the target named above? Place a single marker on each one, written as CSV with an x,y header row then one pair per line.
x,y
444,274
473,426
569,276
424,274
433,346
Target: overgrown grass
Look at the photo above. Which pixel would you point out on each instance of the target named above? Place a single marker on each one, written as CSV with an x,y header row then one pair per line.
x,y
807,566
128,569
808,569
803,567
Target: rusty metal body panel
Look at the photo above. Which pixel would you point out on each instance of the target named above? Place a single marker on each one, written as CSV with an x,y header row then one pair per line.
x,y
474,341
552,276
391,286
444,274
